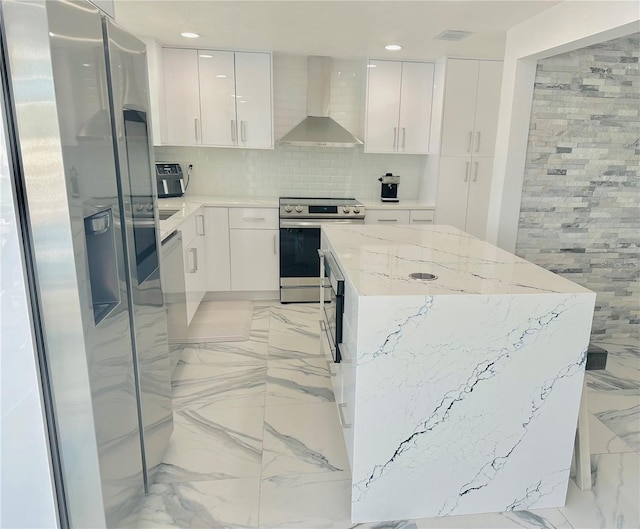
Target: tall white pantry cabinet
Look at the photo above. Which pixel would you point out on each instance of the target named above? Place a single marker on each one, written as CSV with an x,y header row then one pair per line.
x,y
470,118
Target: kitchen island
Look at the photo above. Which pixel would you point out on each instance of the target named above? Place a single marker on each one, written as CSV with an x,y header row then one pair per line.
x,y
459,394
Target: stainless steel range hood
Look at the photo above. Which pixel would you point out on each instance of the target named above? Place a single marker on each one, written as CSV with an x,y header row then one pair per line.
x,y
318,129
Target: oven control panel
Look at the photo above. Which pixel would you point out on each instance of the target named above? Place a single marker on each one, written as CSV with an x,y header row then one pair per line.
x,y
349,208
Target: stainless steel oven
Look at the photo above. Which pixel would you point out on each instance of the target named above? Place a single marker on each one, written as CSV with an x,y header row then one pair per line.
x,y
333,306
300,221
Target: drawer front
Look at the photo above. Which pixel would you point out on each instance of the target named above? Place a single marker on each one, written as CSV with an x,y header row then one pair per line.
x,y
422,216
254,218
390,217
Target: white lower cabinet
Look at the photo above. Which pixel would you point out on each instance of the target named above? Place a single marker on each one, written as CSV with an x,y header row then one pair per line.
x,y
421,216
464,188
254,259
195,267
254,249
399,216
387,216
218,251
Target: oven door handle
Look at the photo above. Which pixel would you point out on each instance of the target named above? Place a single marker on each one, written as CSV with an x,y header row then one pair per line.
x,y
284,223
334,271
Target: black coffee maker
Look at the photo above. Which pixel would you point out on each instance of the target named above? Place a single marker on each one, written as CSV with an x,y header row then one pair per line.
x,y
389,190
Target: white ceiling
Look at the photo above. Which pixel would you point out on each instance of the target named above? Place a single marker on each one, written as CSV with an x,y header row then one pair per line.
x,y
351,29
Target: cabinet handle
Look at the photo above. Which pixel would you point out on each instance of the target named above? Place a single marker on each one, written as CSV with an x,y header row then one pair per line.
x,y
233,131
194,255
243,131
343,422
418,221
200,225
478,141
195,126
466,173
469,141
475,176
254,219
395,137
275,244
387,220
404,136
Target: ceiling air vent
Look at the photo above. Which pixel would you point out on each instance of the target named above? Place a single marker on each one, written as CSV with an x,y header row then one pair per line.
x,y
453,34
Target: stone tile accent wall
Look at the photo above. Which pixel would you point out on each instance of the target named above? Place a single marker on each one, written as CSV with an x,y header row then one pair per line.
x,y
580,210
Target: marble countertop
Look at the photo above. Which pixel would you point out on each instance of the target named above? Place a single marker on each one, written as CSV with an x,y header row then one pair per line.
x,y
372,203
378,260
188,205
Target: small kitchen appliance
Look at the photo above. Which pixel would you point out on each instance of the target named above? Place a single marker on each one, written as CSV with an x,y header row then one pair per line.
x,y
170,179
389,188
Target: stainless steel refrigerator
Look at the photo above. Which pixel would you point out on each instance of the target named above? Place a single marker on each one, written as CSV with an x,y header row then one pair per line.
x,y
77,100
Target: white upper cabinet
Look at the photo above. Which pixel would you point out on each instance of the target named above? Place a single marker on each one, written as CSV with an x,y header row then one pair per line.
x,y
182,96
253,100
487,108
383,106
472,99
415,107
399,99
218,98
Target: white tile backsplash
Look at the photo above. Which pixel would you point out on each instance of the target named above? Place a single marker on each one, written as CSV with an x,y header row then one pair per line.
x,y
313,171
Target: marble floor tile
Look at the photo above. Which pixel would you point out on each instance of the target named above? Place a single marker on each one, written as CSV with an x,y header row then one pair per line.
x,y
603,441
535,519
289,345
210,443
297,381
613,500
302,439
228,354
317,501
620,412
619,374
261,315
295,327
623,368
199,385
230,503
295,316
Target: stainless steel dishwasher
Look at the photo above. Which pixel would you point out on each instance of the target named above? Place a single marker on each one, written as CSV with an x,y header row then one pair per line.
x,y
173,288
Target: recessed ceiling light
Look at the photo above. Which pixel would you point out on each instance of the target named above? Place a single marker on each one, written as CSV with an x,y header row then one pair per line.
x,y
189,35
221,76
372,65
206,56
393,47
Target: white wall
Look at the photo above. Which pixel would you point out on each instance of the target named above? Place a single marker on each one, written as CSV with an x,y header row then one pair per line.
x,y
564,27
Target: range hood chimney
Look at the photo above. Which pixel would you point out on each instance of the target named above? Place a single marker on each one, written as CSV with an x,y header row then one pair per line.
x,y
318,129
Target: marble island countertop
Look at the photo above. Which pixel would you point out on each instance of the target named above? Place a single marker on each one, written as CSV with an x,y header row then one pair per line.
x,y
379,259
469,384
